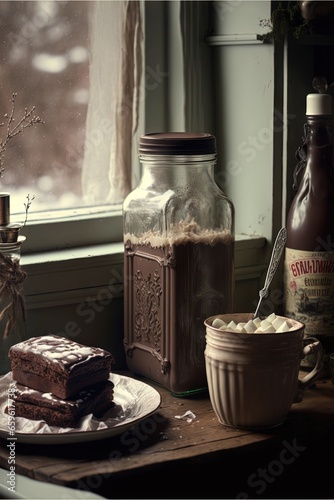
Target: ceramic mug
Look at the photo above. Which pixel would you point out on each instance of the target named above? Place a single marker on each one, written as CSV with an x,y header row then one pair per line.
x,y
253,377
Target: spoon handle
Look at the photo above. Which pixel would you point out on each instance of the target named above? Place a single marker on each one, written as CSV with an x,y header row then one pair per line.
x,y
273,264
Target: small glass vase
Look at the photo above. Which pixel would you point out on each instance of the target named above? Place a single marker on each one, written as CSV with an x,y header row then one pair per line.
x,y
12,324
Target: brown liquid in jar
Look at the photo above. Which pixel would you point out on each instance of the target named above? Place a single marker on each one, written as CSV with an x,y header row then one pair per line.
x,y
170,290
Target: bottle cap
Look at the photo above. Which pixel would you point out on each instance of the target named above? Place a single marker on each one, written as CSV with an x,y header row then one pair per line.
x,y
9,233
319,104
4,209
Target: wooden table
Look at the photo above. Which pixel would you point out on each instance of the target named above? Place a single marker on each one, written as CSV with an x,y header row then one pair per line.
x,y
168,457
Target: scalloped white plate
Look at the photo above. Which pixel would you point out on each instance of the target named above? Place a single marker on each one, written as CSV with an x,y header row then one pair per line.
x,y
134,402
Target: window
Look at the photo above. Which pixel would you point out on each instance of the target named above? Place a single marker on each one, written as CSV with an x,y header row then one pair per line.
x,y
180,88
74,256
66,59
45,60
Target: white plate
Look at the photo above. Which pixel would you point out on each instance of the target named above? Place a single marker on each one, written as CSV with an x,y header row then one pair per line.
x,y
134,401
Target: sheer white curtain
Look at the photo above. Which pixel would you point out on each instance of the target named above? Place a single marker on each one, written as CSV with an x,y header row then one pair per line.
x,y
112,118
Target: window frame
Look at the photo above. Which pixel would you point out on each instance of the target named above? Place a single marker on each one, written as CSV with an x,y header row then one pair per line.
x,y
72,228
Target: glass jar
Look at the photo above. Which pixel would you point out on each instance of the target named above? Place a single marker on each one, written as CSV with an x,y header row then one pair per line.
x,y
10,255
179,259
12,307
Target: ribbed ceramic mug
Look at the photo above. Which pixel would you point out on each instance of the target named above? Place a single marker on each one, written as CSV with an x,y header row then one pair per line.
x,y
253,377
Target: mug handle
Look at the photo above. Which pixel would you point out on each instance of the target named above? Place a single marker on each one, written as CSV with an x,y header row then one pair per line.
x,y
314,347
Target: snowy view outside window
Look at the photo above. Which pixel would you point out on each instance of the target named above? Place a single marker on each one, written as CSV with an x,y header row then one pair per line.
x,y
45,59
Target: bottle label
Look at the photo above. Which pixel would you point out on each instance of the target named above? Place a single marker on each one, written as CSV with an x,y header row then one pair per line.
x,y
308,279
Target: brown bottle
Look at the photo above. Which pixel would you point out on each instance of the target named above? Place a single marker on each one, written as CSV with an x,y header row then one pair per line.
x,y
309,258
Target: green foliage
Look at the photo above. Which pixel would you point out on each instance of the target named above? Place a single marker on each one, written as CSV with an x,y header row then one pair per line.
x,y
285,19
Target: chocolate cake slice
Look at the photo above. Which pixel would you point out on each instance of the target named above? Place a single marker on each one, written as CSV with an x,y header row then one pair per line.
x,y
36,405
58,365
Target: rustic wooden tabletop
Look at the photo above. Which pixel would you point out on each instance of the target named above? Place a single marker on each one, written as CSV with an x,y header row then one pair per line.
x,y
206,458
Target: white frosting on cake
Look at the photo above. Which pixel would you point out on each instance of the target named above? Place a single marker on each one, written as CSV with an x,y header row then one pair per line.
x,y
61,350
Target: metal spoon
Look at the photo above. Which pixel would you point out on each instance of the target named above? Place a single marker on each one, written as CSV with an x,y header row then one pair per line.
x,y
273,265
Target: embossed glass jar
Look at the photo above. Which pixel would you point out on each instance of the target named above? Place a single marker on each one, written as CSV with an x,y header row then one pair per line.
x,y
179,259
12,307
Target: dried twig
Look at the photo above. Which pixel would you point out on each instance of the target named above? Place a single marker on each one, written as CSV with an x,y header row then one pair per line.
x,y
27,207
28,120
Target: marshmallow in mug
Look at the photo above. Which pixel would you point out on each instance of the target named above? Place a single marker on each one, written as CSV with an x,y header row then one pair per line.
x,y
271,324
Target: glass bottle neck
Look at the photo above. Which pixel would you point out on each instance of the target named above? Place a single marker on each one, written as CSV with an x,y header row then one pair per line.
x,y
319,144
319,131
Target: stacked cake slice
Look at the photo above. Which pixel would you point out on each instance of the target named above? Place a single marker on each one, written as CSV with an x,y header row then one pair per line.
x,y
59,380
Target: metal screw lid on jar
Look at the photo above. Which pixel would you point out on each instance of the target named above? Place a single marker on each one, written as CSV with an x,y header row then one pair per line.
x,y
177,143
